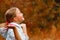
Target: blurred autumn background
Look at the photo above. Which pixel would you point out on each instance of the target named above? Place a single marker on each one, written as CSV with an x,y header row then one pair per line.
x,y
41,16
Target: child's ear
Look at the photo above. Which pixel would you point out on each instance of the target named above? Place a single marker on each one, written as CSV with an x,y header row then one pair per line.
x,y
14,18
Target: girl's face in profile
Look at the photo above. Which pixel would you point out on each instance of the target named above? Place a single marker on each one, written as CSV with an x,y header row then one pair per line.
x,y
19,16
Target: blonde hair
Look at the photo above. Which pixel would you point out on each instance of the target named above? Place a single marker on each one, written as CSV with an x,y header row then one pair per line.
x,y
10,14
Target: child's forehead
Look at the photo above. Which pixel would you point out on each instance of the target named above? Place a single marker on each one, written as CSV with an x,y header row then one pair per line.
x,y
18,12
